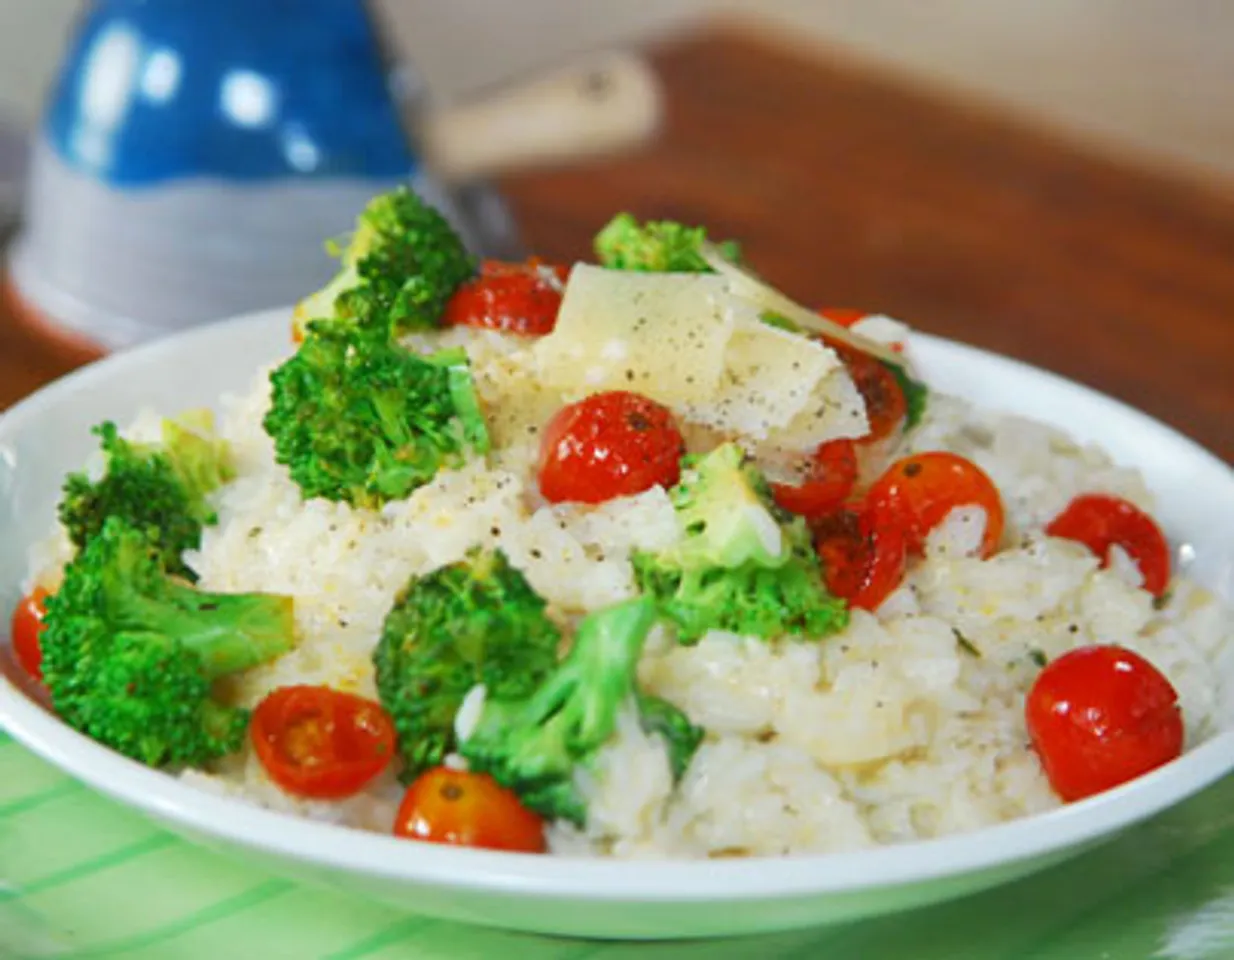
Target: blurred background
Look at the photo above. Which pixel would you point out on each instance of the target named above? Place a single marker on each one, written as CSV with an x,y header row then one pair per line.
x,y
190,156
1150,77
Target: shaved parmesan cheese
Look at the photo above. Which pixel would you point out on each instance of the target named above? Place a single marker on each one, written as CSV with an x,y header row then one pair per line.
x,y
686,341
517,405
770,377
661,334
884,329
835,410
746,286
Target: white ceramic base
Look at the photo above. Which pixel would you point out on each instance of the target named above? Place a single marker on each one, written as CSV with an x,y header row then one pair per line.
x,y
120,267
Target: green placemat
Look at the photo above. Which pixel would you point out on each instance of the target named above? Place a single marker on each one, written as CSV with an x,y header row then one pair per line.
x,y
81,876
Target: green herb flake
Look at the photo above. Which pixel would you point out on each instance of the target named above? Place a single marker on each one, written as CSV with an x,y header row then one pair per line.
x,y
1163,601
915,394
1038,657
965,644
773,319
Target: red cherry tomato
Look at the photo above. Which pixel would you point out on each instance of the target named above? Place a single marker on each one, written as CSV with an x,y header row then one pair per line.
x,y
1101,522
1099,717
609,445
848,317
518,298
886,405
844,316
916,493
321,743
470,810
833,472
27,629
861,563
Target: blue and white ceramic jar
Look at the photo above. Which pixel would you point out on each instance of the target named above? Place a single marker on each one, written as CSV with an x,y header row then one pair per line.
x,y
195,154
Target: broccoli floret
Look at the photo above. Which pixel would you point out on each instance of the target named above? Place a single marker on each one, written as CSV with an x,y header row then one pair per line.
x,y
473,622
400,267
533,744
657,246
724,509
357,418
161,486
741,564
131,654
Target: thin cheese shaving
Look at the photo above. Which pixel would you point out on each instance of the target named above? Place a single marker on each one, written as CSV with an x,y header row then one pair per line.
x,y
517,405
836,410
748,287
662,335
770,376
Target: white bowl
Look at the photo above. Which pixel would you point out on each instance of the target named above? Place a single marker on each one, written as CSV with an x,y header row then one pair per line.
x,y
47,435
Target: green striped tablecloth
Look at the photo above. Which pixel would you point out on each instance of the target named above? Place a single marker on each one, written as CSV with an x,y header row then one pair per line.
x,y
81,876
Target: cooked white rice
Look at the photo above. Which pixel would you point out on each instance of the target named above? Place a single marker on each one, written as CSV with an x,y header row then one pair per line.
x,y
890,731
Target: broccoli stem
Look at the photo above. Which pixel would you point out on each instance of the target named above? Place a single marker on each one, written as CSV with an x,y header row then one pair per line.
x,y
466,402
533,745
601,666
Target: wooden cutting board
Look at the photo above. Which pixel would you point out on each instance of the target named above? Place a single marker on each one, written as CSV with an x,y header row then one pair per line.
x,y
851,189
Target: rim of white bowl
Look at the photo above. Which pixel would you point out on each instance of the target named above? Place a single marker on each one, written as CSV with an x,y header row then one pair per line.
x,y
593,879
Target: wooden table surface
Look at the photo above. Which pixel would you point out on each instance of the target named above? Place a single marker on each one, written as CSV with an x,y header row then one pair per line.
x,y
852,189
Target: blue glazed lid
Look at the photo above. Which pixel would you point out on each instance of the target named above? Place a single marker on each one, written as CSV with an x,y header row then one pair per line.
x,y
158,90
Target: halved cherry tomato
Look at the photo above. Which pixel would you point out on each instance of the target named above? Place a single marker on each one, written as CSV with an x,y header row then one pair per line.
x,y
861,563
1099,717
27,630
518,298
833,472
470,810
1100,522
612,444
916,493
321,743
886,405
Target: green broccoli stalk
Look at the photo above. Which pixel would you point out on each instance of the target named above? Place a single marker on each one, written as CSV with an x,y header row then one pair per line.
x,y
131,654
741,565
476,621
402,264
535,744
357,418
162,486
657,246
682,738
